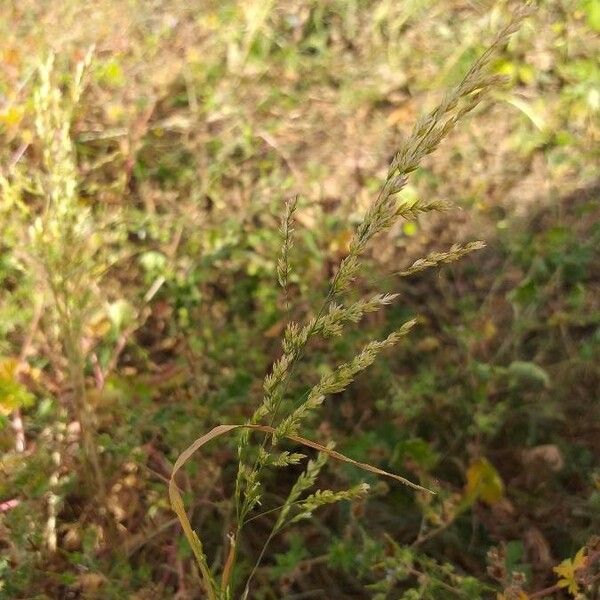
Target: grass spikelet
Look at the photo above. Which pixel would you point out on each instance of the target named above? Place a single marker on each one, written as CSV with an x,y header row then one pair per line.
x,y
287,230
434,259
304,482
324,497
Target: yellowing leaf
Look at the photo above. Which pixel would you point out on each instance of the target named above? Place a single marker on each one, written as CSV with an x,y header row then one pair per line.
x,y
12,116
8,368
340,243
489,330
483,482
428,344
98,326
13,394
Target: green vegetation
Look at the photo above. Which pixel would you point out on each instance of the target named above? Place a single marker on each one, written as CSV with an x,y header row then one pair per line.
x,y
268,214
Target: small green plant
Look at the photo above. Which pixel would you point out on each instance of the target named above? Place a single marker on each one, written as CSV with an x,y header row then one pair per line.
x,y
283,412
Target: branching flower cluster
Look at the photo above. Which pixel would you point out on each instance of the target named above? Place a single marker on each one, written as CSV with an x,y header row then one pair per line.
x,y
335,314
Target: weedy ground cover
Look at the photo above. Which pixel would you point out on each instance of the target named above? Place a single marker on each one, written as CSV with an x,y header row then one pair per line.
x,y
149,154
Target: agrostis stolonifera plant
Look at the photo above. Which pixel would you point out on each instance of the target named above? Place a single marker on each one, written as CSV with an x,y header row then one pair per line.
x,y
281,416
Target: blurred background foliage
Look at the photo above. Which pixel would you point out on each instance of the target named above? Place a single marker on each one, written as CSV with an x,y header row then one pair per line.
x,y
195,122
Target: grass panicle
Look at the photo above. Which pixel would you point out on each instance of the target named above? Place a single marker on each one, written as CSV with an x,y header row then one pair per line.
x,y
63,246
333,315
